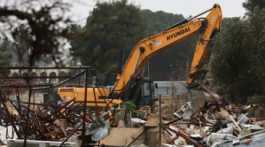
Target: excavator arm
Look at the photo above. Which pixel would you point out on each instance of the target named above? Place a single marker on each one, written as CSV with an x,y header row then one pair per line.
x,y
148,47
201,54
153,44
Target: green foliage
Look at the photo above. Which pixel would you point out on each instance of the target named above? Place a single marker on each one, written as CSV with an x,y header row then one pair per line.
x,y
230,62
250,5
114,28
170,63
257,46
5,55
111,29
129,106
238,59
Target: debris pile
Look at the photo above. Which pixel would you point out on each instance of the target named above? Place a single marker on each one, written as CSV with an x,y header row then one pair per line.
x,y
52,121
217,124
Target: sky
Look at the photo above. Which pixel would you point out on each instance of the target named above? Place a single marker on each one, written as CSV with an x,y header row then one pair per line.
x,y
231,8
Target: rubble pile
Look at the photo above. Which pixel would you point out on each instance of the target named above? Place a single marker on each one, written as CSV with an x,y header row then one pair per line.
x,y
69,121
51,121
215,125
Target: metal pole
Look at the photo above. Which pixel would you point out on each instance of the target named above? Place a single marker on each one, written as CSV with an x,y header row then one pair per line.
x,y
85,109
160,122
26,127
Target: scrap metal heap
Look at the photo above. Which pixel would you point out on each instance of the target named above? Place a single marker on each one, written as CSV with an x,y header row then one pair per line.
x,y
216,124
52,120
57,121
211,126
45,122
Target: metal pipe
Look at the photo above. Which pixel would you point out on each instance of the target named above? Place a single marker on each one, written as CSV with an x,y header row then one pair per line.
x,y
85,109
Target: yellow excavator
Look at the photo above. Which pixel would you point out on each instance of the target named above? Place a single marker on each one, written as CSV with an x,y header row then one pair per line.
x,y
144,50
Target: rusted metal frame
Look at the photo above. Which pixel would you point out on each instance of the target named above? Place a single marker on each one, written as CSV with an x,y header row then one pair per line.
x,y
21,115
38,125
58,112
29,105
83,125
27,116
9,117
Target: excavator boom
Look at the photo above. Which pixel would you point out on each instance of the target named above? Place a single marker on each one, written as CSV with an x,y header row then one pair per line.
x,y
148,47
153,44
201,54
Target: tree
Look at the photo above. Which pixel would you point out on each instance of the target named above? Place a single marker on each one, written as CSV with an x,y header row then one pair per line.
x,y
110,32
230,62
41,21
114,28
171,63
256,44
5,55
250,5
239,54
